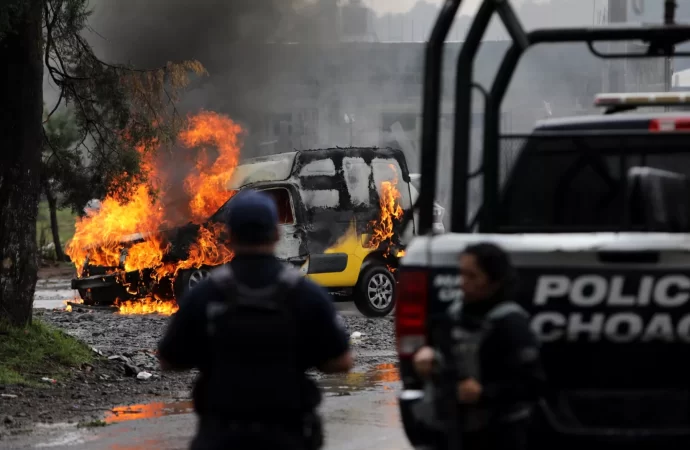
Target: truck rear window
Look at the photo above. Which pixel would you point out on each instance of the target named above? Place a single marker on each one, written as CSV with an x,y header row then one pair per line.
x,y
578,183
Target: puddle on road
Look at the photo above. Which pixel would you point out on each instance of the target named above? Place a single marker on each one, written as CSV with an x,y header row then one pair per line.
x,y
381,376
147,411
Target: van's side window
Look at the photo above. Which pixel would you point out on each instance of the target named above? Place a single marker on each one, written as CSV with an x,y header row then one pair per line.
x,y
284,202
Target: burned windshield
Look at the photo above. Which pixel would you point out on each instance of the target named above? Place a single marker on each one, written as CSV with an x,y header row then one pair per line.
x,y
260,170
578,183
221,214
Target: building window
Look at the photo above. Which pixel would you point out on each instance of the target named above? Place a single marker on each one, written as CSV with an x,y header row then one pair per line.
x,y
307,122
272,123
408,121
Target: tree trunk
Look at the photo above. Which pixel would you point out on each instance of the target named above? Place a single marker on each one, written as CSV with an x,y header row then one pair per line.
x,y
21,139
52,206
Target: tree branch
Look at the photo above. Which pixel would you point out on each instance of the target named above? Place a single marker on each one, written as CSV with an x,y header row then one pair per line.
x,y
57,104
54,152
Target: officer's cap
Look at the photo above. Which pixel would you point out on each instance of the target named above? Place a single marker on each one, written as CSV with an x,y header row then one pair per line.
x,y
252,217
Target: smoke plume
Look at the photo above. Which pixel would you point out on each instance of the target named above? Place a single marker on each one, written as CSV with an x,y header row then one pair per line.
x,y
228,37
364,93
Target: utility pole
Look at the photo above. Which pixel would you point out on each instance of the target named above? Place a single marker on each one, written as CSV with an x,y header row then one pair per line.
x,y
669,20
617,14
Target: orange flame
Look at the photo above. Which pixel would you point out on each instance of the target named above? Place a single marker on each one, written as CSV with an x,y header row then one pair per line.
x,y
99,236
132,222
68,307
148,306
391,211
146,254
208,128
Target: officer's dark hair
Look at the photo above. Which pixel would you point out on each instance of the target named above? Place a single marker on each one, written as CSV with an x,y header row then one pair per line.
x,y
496,263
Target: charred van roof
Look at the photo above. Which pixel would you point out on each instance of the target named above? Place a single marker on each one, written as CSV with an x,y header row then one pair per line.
x,y
282,166
309,155
368,154
625,121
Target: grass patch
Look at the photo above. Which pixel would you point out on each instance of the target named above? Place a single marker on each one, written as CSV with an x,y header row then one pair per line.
x,y
65,218
92,424
36,351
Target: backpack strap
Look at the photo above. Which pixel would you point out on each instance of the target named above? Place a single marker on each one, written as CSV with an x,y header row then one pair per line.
x,y
224,279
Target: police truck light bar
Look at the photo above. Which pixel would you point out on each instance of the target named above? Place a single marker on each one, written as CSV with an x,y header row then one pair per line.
x,y
643,99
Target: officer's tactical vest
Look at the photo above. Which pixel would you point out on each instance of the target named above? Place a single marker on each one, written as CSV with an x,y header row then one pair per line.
x,y
467,344
465,353
254,374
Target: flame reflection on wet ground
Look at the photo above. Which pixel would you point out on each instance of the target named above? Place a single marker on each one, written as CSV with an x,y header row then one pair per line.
x,y
147,411
380,376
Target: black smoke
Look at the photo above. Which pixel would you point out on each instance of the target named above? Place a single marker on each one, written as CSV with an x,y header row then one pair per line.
x,y
227,36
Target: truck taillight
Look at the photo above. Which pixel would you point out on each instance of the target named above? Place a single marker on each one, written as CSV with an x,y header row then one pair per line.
x,y
670,124
411,311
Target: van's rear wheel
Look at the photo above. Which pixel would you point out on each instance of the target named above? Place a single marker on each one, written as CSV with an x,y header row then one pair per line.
x,y
374,295
187,279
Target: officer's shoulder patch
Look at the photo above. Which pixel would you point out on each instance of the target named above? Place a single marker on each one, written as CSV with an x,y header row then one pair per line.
x,y
506,309
222,274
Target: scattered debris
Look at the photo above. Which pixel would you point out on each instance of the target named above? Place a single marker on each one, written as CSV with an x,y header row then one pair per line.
x,y
124,359
48,380
131,370
143,376
117,340
355,337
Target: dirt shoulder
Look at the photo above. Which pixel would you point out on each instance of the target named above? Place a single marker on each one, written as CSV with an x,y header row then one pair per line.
x,y
49,270
125,371
85,392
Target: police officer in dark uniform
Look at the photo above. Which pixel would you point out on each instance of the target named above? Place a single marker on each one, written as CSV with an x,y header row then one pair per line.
x,y
253,329
494,354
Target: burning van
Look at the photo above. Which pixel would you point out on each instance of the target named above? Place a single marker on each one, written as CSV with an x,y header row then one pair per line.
x,y
341,217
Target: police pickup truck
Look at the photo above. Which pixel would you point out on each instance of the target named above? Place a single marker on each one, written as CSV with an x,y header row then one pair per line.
x,y
600,233
595,212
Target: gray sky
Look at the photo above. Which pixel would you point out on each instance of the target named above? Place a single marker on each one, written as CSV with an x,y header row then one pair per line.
x,y
385,6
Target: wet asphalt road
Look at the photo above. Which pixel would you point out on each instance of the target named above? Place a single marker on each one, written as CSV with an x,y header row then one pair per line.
x,y
361,421
53,293
360,410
